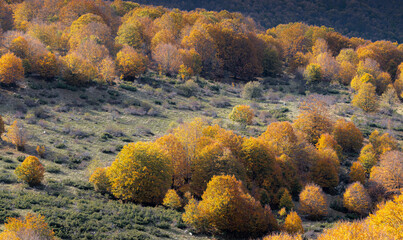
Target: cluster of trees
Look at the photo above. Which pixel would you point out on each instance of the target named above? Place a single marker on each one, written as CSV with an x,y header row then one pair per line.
x,y
197,161
85,41
367,18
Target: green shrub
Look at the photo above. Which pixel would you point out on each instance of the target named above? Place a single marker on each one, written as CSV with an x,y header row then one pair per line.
x,y
252,90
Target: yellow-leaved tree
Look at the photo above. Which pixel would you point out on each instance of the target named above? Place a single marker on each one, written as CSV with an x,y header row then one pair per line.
x,y
388,218
16,135
172,200
142,172
32,226
30,171
356,199
366,98
99,178
357,230
11,69
226,207
357,173
242,114
313,201
131,63
293,223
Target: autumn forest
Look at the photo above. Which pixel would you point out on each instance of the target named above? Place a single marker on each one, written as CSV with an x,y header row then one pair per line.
x,y
120,120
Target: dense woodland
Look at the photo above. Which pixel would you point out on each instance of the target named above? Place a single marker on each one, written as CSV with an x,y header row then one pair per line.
x,y
212,177
370,19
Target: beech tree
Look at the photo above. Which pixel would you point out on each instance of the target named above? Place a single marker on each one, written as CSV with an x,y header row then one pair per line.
x,y
366,98
16,135
131,63
32,226
225,207
389,172
242,114
99,178
356,199
141,173
293,223
388,218
313,201
11,69
313,120
357,173
172,200
348,136
31,171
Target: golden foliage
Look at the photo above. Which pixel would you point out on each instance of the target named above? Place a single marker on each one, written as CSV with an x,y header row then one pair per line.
x,y
283,236
17,135
172,200
348,136
40,149
389,173
313,120
366,98
327,141
78,70
141,172
293,223
99,178
313,201
11,70
281,137
357,173
32,226
356,199
225,207
388,218
131,63
358,81
19,46
383,143
214,160
242,114
31,171
325,171
177,153
368,157
357,230
47,66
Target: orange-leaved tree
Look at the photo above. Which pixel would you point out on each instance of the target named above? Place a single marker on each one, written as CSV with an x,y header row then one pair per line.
x,y
11,69
356,199
32,226
357,173
142,172
348,136
293,223
30,171
313,201
131,63
313,120
226,207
